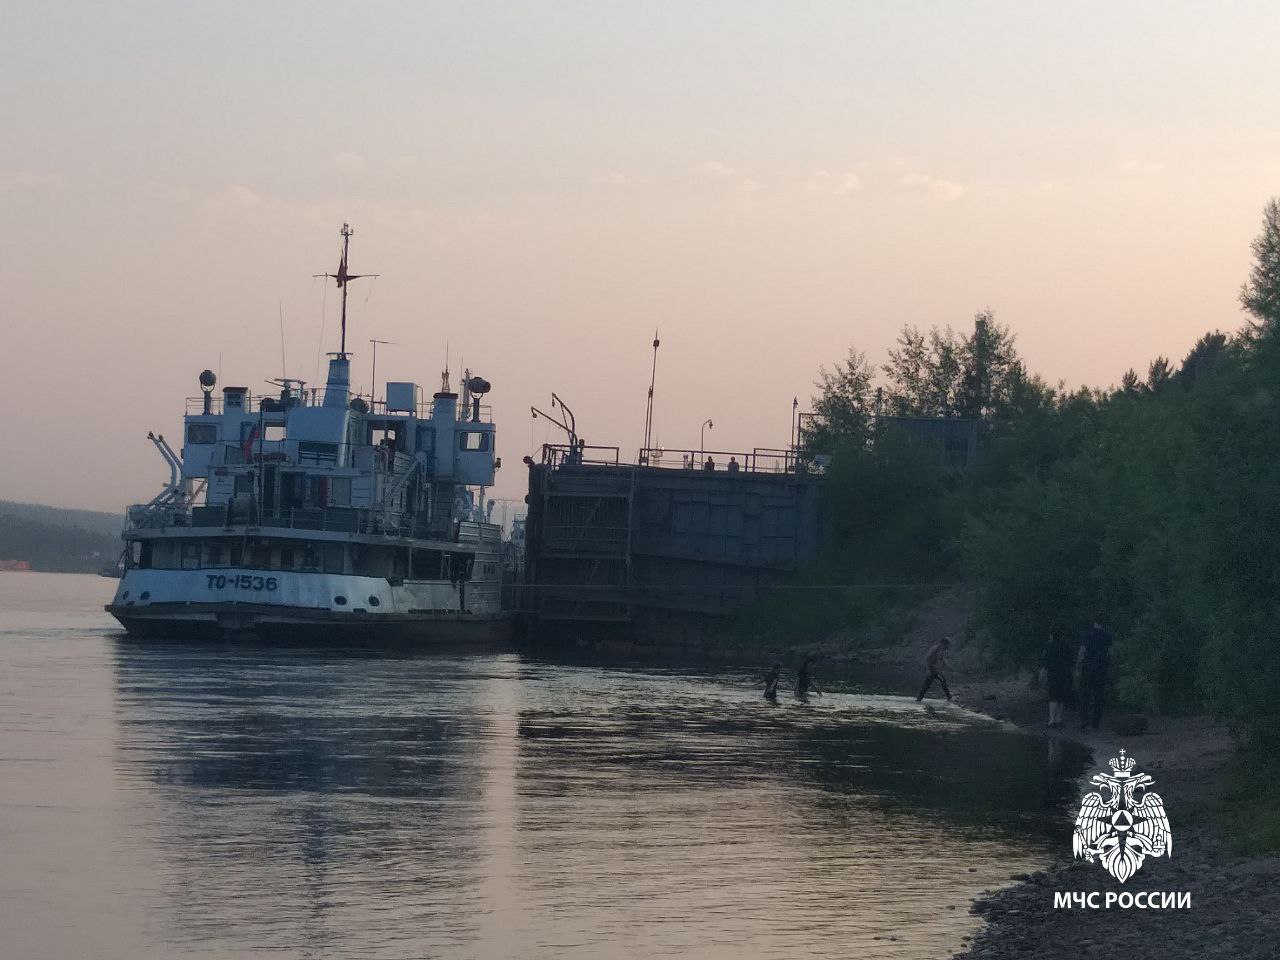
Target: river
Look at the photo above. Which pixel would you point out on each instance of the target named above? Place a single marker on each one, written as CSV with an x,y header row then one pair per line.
x,y
229,801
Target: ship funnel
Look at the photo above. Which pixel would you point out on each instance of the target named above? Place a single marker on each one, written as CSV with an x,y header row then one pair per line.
x,y
445,409
338,387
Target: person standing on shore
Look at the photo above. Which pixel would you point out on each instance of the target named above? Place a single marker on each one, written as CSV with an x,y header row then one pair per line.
x,y
1094,663
935,662
1057,663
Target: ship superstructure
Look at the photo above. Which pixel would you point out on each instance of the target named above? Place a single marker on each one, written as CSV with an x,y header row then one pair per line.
x,y
315,512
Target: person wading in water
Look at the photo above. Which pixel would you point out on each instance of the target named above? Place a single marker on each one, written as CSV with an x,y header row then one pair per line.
x,y
804,682
771,683
934,663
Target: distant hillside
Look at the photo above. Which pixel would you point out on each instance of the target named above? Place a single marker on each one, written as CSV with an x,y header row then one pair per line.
x,y
58,540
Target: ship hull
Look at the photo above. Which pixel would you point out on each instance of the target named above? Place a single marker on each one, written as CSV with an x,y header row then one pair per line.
x,y
196,621
215,604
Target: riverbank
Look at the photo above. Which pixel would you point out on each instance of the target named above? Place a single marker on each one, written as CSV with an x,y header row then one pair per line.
x,y
1235,901
1235,897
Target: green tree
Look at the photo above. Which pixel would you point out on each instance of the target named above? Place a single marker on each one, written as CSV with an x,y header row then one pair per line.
x,y
991,372
1260,294
844,404
944,374
1159,374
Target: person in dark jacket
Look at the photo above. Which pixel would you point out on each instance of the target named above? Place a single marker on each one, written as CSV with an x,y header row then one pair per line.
x,y
1095,664
934,663
1058,664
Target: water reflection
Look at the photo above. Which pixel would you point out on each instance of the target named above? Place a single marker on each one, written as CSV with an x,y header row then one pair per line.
x,y
391,804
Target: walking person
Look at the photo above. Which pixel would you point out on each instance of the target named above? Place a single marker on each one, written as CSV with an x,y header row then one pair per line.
x,y
1095,664
771,683
1058,663
935,662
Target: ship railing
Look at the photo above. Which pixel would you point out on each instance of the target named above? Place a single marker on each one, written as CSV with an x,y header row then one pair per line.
x,y
755,460
567,455
423,409
330,519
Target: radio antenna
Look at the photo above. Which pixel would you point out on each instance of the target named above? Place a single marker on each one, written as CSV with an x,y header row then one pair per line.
x,y
284,367
342,277
374,375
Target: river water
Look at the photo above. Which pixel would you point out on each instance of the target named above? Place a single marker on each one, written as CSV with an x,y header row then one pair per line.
x,y
162,800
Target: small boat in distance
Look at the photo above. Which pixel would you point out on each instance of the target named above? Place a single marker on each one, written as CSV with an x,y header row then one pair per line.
x,y
316,514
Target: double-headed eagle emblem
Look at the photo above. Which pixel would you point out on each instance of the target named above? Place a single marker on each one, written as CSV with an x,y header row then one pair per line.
x,y
1123,829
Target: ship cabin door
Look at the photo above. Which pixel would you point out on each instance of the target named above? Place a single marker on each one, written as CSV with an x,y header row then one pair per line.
x,y
269,478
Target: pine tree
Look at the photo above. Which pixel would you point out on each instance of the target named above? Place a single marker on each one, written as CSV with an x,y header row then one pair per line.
x,y
1260,295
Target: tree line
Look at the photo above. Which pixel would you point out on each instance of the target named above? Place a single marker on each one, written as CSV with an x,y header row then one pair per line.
x,y
1153,504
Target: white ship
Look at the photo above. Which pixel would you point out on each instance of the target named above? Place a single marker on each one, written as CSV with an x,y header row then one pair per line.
x,y
315,513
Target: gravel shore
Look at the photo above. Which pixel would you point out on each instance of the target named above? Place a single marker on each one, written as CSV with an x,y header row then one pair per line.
x,y
1235,901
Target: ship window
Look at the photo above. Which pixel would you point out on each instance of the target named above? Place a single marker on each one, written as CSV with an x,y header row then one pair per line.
x,y
237,556
214,555
190,556
144,555
473,440
202,433
244,483
273,432
286,558
425,565
310,451
371,561
340,491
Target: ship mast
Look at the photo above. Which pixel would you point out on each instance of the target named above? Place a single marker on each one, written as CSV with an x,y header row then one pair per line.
x,y
342,277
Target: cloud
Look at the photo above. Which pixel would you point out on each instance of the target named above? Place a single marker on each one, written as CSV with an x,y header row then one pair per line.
x,y
721,172
349,163
22,181
823,181
936,187
1133,167
622,180
241,197
714,168
235,202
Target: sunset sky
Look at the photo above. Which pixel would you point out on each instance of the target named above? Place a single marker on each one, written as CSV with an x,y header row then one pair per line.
x,y
541,185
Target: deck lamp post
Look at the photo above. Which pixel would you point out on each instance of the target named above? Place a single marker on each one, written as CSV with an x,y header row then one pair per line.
x,y
702,439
